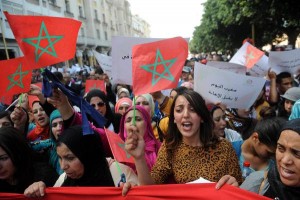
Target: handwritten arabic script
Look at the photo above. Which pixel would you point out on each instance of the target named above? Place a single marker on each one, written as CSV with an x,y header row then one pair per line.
x,y
223,93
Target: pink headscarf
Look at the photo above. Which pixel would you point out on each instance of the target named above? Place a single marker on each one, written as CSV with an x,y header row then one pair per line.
x,y
122,101
188,85
151,143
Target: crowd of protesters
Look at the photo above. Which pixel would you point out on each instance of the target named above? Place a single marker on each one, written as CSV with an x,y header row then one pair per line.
x,y
173,138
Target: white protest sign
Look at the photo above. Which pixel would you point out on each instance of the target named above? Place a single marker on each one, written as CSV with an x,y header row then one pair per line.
x,y
122,57
233,90
232,67
285,61
105,62
260,69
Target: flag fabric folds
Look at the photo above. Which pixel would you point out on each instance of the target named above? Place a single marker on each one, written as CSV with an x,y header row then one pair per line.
x,y
85,107
117,147
158,65
45,40
205,191
15,77
247,55
95,84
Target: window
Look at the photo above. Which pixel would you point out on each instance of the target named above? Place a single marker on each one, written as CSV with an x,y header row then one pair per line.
x,y
81,14
96,14
103,16
98,34
105,34
67,2
82,32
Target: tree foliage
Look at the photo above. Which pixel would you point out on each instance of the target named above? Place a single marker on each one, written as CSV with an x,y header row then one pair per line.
x,y
226,23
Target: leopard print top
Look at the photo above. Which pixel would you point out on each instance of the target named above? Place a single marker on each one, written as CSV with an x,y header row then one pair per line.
x,y
188,163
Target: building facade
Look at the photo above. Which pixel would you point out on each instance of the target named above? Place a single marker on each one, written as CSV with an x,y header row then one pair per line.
x,y
101,19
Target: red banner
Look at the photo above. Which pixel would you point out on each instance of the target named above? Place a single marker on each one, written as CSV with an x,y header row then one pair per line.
x,y
45,40
205,191
158,65
95,84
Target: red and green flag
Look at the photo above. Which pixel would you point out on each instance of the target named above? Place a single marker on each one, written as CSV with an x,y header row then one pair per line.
x,y
248,55
117,147
95,84
15,77
158,65
45,40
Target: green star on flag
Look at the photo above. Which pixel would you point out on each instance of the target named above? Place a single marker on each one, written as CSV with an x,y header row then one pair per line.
x,y
164,59
159,60
44,40
37,42
14,81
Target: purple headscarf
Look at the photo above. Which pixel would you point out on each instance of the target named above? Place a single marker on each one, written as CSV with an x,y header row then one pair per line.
x,y
151,143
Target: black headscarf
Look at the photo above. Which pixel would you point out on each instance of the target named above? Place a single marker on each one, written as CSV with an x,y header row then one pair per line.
x,y
277,188
109,115
88,149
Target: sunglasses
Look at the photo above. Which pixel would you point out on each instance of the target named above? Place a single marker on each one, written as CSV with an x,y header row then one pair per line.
x,y
100,104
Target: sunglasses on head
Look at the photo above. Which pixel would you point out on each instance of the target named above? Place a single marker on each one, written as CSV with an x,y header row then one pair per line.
x,y
100,104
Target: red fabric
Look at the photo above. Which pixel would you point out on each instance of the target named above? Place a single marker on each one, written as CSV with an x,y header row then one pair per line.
x,y
45,40
31,100
39,84
205,191
252,56
117,147
38,133
6,100
158,65
95,84
15,77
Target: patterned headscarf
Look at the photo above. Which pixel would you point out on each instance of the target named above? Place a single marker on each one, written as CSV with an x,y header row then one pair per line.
x,y
151,144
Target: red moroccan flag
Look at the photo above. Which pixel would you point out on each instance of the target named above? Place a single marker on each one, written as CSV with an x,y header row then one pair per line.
x,y
45,40
15,77
158,65
95,84
117,147
247,55
6,100
252,56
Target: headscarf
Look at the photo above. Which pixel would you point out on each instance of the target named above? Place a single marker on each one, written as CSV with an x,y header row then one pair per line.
x,y
39,132
123,90
54,115
295,111
149,98
188,85
277,188
88,149
109,114
151,144
122,101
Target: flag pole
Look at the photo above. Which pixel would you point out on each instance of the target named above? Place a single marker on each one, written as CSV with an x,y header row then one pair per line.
x,y
3,38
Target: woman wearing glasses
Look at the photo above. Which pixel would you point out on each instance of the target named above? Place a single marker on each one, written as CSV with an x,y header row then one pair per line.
x,y
99,101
